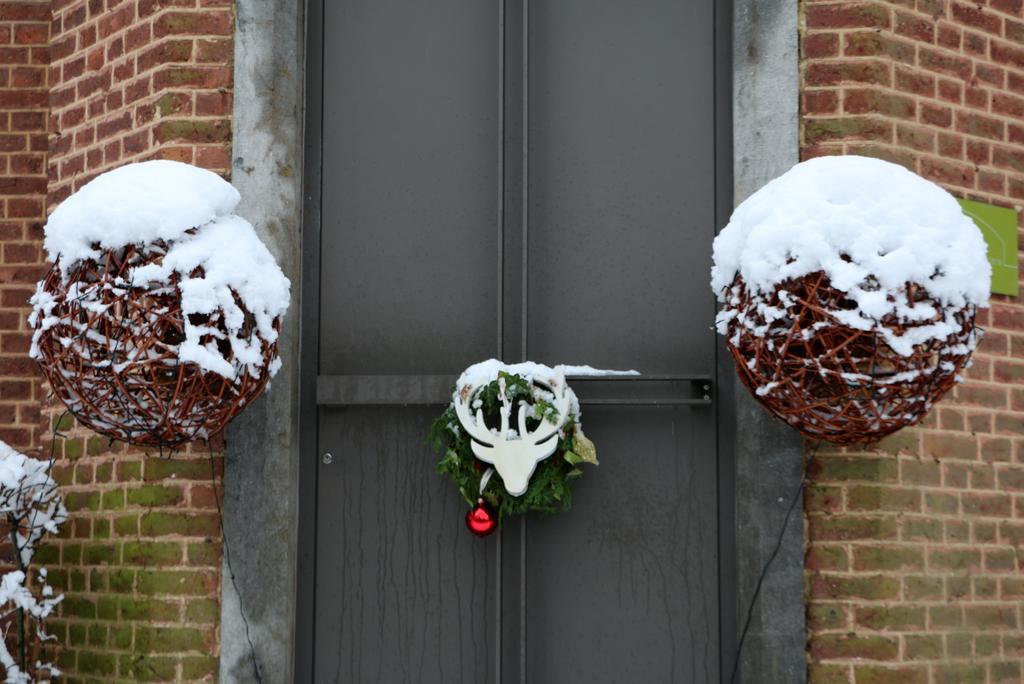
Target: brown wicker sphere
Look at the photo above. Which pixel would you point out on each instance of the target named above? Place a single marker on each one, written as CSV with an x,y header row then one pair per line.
x,y
110,353
829,380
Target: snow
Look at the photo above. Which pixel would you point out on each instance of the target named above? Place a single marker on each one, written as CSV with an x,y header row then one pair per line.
x,y
591,372
136,204
234,262
28,499
27,492
485,372
872,227
215,257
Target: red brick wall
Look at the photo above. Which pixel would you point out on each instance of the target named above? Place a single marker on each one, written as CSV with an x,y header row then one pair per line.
x,y
24,29
138,79
915,550
127,80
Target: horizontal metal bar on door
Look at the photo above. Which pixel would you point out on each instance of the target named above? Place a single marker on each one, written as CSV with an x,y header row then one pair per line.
x,y
436,390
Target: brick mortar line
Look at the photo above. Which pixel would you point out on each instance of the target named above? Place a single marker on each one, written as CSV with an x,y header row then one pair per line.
x,y
929,155
891,62
131,24
1005,198
958,108
135,78
134,130
846,86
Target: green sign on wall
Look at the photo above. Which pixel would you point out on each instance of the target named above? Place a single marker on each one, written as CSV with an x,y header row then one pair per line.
x,y
999,226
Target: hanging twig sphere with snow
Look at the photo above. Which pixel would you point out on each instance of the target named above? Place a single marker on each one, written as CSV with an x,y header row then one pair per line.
x,y
159,320
849,288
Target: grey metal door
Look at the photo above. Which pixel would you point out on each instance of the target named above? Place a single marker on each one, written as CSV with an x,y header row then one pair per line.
x,y
515,179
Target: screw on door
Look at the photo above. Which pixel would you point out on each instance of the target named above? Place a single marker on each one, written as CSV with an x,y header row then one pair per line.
x,y
327,458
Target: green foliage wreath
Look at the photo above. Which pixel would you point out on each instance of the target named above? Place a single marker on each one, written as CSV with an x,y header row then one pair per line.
x,y
550,488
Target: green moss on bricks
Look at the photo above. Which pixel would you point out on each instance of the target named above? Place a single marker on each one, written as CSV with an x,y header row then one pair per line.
x,y
72,554
77,634
129,471
126,526
186,469
121,581
180,583
155,495
106,607
823,130
823,616
77,501
183,76
165,104
170,103
198,667
62,421
846,468
923,647
193,131
76,606
99,554
902,441
74,448
101,528
83,473
891,558
59,630
140,668
162,524
113,500
205,553
62,475
151,553
98,635
898,618
168,639
58,579
1005,672
121,638
104,472
1002,617
67,531
94,446
49,554
96,663
179,50
77,579
202,610
66,659
97,580
151,610
965,673
987,645
182,23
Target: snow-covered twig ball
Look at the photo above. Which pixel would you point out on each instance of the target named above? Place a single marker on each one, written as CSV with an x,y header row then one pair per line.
x,y
849,288
159,320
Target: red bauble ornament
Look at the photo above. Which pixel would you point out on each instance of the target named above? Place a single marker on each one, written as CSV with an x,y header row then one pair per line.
x,y
481,519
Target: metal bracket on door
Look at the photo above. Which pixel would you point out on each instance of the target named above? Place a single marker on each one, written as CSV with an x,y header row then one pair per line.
x,y
436,390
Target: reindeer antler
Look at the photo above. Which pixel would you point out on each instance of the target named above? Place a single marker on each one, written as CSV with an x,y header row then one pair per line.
x,y
546,427
476,428
514,459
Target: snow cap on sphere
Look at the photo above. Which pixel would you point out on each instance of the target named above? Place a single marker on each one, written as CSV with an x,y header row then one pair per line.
x,y
136,204
215,259
859,220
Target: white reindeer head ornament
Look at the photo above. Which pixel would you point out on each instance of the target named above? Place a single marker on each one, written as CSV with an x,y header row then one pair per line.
x,y
515,457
